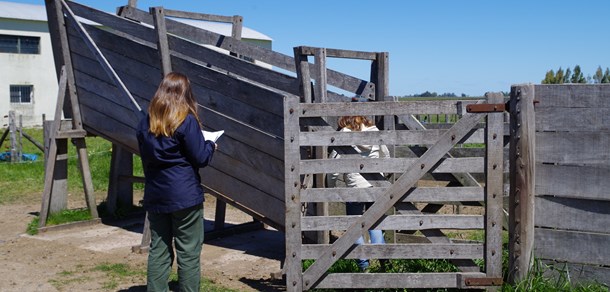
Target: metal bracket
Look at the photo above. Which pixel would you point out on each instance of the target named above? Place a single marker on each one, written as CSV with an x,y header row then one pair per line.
x,y
486,108
483,281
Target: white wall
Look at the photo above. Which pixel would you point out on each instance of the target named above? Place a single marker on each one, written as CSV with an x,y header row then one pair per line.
x,y
28,69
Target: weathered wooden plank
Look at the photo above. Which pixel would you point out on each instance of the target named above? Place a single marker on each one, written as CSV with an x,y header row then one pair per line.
x,y
427,195
235,65
121,24
398,280
109,129
386,137
292,265
574,247
218,82
589,148
573,96
340,80
255,138
97,91
141,91
119,49
578,273
101,58
573,119
382,108
522,182
583,182
158,14
259,204
266,99
396,222
573,214
494,183
238,97
403,251
388,165
338,53
256,177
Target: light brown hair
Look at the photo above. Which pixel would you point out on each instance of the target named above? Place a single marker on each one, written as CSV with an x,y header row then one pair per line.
x,y
354,122
172,102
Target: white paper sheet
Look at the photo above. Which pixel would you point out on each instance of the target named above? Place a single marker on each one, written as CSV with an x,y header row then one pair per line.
x,y
213,136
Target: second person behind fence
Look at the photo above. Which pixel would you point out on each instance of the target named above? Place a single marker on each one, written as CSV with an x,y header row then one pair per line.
x,y
356,180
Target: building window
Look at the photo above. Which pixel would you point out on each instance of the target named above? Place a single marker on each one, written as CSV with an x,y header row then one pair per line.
x,y
22,93
19,44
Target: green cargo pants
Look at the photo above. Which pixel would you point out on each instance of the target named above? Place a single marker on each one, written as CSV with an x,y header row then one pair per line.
x,y
185,228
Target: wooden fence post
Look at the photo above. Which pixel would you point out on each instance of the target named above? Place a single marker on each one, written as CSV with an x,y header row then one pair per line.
x,y
522,181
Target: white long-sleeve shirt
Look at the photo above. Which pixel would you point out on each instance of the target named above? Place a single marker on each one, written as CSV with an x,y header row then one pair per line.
x,y
355,180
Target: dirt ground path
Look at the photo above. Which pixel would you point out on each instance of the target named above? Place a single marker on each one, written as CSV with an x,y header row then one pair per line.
x,y
73,259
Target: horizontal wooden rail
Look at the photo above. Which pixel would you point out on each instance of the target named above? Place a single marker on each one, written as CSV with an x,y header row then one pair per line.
x,y
396,222
423,195
403,251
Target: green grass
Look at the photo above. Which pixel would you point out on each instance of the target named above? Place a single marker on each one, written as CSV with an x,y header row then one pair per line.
x,y
25,181
62,217
537,280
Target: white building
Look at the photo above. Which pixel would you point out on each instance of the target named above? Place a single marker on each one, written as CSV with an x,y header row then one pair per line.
x,y
28,82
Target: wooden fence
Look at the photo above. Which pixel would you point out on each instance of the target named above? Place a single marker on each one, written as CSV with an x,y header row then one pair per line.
x,y
302,129
560,200
278,127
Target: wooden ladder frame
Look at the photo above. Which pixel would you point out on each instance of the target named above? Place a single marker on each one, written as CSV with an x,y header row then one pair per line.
x,y
59,136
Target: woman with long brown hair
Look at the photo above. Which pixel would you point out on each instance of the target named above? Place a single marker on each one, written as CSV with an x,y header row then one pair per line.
x,y
173,149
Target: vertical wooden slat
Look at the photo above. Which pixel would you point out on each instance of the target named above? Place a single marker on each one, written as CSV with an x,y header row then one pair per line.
x,y
303,74
236,28
321,152
522,181
494,168
85,172
120,191
13,130
162,44
292,156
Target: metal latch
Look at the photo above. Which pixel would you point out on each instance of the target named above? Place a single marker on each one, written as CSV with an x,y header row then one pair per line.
x,y
486,108
483,281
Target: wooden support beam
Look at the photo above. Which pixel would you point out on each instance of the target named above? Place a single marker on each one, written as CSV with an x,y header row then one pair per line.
x,y
494,188
162,44
522,181
51,157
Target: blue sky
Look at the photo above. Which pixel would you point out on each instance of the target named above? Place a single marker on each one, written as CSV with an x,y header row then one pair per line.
x,y
466,46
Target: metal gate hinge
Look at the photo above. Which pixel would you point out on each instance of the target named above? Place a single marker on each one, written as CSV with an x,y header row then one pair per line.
x,y
486,108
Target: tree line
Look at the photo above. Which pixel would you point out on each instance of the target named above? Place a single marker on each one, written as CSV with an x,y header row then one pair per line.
x,y
576,76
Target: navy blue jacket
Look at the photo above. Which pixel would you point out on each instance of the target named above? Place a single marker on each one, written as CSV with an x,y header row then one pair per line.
x,y
171,166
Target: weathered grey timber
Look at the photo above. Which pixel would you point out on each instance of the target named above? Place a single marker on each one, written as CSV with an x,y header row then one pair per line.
x,y
385,196
272,161
568,197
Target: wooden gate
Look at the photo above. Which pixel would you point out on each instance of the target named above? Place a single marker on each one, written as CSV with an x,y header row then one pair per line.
x,y
300,118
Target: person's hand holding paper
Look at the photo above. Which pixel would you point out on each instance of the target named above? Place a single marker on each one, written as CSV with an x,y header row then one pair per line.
x,y
212,136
